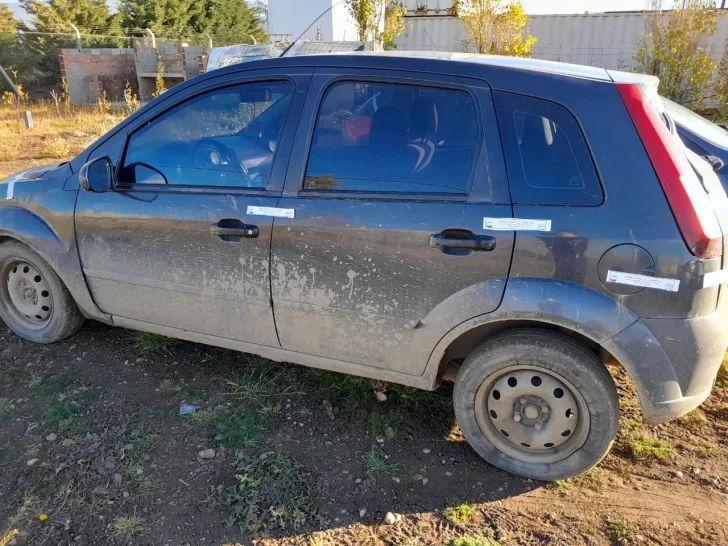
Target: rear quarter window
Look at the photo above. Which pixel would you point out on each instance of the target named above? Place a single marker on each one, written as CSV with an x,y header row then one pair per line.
x,y
547,157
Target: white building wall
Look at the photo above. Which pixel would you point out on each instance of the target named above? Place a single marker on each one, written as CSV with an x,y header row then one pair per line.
x,y
293,16
607,40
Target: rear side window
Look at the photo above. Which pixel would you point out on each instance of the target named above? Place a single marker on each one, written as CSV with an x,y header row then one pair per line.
x,y
546,154
375,137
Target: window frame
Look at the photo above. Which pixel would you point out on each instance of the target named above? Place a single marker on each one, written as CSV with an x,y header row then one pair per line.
x,y
268,189
480,187
584,158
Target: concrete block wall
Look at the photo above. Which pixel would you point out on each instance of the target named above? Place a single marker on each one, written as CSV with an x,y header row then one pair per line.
x,y
90,72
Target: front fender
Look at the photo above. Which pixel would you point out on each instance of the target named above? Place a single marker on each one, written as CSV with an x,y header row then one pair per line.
x,y
555,302
33,231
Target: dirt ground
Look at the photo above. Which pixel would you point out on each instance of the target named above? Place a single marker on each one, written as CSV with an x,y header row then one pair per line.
x,y
93,451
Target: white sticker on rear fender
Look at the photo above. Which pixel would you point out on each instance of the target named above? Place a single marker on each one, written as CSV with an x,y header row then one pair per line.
x,y
271,211
516,224
633,279
715,278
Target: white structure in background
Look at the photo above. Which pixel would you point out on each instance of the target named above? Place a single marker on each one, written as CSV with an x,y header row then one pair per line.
x,y
293,16
605,40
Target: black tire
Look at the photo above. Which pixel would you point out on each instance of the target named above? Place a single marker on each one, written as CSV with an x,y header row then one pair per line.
x,y
64,318
555,355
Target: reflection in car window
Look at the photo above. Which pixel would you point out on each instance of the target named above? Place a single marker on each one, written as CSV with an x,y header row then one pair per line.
x,y
376,137
227,137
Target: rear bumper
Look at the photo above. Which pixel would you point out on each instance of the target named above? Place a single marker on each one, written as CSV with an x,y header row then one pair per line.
x,y
673,362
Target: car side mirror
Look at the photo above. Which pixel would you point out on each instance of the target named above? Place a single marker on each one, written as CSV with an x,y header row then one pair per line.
x,y
715,162
97,175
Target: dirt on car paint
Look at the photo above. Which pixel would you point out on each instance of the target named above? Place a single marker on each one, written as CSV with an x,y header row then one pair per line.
x,y
93,451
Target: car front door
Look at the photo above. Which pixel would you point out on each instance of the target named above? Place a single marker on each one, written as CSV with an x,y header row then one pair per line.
x,y
181,241
391,185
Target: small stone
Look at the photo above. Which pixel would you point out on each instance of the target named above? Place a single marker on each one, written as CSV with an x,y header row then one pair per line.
x,y
390,518
52,437
125,494
67,442
381,396
329,410
448,474
701,521
389,433
362,512
206,454
427,451
358,480
117,479
424,481
395,479
679,474
639,538
417,477
696,471
32,462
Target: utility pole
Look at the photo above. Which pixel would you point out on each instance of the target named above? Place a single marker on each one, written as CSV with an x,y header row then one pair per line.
x,y
78,35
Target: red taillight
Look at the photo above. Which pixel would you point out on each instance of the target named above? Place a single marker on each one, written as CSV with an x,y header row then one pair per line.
x,y
689,203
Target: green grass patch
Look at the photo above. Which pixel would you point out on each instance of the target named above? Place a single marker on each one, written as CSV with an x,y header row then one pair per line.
x,y
9,378
236,430
126,527
639,444
257,382
338,387
271,491
202,418
75,427
58,412
152,344
270,411
189,394
621,530
460,514
5,407
50,387
376,462
694,421
380,422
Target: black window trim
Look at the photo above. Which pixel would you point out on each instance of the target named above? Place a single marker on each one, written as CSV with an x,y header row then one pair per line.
x,y
589,150
118,185
392,196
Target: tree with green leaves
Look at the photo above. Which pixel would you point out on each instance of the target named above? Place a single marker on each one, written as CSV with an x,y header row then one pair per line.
x,y
671,49
378,21
496,27
7,21
227,21
90,16
8,40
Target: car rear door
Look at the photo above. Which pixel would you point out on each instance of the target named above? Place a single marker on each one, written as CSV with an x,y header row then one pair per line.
x,y
388,193
183,240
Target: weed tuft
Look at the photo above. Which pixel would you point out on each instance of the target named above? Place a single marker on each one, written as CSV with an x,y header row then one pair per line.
x,y
272,491
622,531
639,444
376,462
126,527
695,420
237,430
57,148
151,344
256,383
384,423
50,387
5,407
460,514
722,380
59,412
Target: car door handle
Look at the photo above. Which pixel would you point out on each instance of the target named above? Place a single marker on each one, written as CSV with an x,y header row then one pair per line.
x,y
484,243
242,230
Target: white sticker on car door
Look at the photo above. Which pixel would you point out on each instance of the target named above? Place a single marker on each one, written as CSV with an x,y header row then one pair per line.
x,y
271,211
516,224
645,281
715,278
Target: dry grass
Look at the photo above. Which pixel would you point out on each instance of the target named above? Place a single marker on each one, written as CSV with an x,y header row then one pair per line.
x,y
52,137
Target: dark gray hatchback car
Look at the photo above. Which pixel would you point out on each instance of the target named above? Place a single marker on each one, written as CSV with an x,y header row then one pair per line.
x,y
512,224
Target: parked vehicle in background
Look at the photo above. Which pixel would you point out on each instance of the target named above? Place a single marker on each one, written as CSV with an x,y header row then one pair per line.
x,y
702,136
404,218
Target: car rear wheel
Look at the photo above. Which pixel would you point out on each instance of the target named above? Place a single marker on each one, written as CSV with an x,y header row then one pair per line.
x,y
537,404
34,302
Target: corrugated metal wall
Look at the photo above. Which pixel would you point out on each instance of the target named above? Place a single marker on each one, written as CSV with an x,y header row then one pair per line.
x,y
607,40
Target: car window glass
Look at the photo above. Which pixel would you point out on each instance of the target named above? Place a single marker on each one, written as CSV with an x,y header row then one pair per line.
x,y
227,137
547,157
390,138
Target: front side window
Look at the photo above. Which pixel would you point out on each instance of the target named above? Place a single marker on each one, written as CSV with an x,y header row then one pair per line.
x,y
547,157
390,138
227,137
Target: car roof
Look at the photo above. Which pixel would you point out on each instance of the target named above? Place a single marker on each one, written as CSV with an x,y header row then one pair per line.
x,y
440,61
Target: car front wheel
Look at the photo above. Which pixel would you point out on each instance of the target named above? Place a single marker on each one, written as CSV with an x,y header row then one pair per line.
x,y
34,302
537,404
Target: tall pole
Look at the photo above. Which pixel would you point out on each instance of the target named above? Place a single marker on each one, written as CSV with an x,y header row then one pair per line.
x,y
78,35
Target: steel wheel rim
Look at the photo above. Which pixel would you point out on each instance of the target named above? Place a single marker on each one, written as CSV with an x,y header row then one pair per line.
x,y
532,414
25,293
